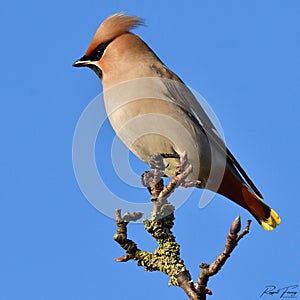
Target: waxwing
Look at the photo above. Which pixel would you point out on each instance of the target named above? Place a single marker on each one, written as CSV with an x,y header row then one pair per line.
x,y
153,111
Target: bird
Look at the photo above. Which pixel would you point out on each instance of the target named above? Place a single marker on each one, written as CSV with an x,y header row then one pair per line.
x,y
153,111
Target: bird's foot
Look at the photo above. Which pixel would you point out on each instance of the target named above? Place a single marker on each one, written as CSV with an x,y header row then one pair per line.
x,y
183,163
182,167
153,179
153,182
156,161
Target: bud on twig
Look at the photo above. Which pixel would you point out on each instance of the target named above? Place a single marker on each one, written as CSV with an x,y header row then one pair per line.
x,y
235,226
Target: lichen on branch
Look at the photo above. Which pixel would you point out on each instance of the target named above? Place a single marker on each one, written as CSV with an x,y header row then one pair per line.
x,y
166,257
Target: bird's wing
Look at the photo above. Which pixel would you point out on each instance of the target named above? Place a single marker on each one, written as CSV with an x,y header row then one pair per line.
x,y
179,93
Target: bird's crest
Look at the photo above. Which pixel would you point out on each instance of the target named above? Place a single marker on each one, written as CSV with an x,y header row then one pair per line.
x,y
112,27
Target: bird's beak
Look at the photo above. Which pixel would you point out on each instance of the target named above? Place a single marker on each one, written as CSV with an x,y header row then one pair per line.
x,y
81,62
85,61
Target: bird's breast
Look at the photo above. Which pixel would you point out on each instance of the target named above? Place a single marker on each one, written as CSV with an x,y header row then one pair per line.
x,y
149,122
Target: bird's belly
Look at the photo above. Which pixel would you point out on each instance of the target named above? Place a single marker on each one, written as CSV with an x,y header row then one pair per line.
x,y
150,126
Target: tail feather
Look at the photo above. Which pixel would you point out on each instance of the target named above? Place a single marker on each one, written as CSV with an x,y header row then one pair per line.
x,y
272,221
265,215
235,188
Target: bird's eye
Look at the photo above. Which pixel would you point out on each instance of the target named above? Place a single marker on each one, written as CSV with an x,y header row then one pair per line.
x,y
98,52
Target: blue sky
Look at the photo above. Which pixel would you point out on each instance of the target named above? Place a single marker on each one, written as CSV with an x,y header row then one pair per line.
x,y
242,57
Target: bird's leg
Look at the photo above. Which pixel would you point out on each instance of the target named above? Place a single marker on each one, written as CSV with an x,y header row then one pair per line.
x,y
152,179
170,155
193,183
156,161
153,182
183,165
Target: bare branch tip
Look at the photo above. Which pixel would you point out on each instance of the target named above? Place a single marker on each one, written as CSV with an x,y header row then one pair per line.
x,y
124,258
235,226
204,266
132,217
118,216
208,291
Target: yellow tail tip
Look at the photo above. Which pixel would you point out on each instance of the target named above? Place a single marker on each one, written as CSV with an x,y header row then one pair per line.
x,y
272,221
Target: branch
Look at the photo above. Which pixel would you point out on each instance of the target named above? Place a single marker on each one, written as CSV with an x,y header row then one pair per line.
x,y
166,257
211,270
121,236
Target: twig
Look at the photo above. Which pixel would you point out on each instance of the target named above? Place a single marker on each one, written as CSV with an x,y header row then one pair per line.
x,y
211,270
166,257
121,236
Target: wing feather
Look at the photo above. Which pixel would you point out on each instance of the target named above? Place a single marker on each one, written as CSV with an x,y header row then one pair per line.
x,y
182,96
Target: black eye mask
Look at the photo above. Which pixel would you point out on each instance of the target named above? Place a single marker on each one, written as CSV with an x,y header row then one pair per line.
x,y
98,52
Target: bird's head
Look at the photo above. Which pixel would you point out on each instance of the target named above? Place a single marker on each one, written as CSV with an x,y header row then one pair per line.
x,y
111,29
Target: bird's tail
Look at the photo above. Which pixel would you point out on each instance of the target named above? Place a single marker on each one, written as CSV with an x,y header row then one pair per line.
x,y
237,190
265,215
